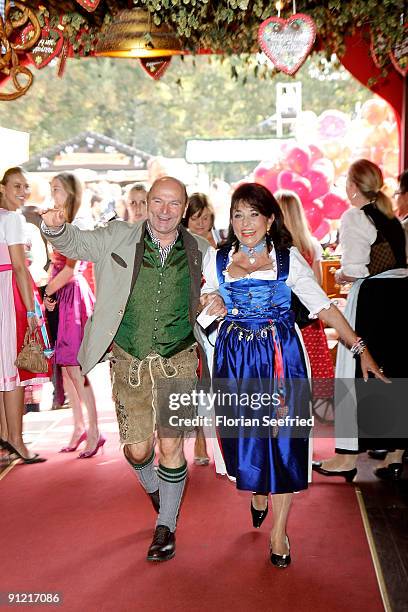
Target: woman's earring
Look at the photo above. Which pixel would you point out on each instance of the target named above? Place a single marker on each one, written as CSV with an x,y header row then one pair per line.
x,y
353,197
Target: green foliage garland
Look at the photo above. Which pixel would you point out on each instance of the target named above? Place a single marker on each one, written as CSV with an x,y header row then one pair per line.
x,y
231,26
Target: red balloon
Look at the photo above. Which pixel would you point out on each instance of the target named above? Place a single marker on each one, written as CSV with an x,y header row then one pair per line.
x,y
319,182
322,231
314,215
334,206
298,159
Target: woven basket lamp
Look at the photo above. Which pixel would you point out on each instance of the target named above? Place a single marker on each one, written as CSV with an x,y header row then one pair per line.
x,y
132,33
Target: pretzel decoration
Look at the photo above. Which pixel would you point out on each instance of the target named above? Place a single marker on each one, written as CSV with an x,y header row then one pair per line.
x,y
9,60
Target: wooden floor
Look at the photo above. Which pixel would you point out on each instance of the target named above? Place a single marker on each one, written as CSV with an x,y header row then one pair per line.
x,y
386,505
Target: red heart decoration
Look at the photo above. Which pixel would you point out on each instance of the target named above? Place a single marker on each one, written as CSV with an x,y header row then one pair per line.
x,y
47,47
287,42
399,56
155,67
89,5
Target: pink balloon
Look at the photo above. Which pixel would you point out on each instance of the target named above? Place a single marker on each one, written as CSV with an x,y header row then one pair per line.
x,y
326,166
271,181
323,229
298,159
260,171
333,205
319,182
314,215
302,187
294,182
285,179
315,153
332,124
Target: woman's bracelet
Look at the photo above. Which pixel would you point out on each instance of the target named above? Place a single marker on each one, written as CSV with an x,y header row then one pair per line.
x,y
31,314
358,347
51,298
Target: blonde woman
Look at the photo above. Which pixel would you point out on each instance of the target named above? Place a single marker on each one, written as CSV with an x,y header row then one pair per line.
x,y
373,259
69,291
313,335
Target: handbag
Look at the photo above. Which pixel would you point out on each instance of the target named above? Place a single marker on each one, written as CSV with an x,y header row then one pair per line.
x,y
382,257
31,357
301,312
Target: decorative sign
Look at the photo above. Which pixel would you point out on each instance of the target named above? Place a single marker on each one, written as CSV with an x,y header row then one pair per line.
x,y
287,42
399,56
48,47
155,67
89,5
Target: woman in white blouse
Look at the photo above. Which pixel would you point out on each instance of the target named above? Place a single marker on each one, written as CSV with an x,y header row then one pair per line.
x,y
373,259
18,313
260,375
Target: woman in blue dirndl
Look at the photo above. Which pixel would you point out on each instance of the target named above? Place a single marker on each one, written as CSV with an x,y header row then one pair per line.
x,y
260,369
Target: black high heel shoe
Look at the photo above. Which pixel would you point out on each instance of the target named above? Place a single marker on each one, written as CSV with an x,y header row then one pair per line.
x,y
35,459
258,516
391,472
281,561
377,454
349,475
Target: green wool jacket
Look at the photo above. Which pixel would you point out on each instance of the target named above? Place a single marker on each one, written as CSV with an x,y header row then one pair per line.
x,y
117,252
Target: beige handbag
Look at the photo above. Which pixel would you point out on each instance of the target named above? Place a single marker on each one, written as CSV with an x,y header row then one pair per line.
x,y
31,357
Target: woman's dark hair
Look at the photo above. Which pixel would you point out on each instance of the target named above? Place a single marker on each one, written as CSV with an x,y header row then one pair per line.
x,y
261,199
403,181
196,203
10,172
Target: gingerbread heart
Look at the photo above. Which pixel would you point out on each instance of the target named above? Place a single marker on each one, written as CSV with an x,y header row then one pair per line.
x,y
155,67
287,42
89,5
48,47
399,56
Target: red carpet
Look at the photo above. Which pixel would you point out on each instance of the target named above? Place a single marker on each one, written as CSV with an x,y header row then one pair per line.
x,y
83,527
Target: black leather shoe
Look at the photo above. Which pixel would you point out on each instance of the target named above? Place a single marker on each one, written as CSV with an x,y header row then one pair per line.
x,y
258,516
281,560
391,472
377,454
163,546
349,475
155,499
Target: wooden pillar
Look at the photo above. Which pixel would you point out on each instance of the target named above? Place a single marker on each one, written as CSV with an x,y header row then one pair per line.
x,y
404,127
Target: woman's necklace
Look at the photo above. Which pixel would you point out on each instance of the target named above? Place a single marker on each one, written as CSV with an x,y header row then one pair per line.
x,y
252,252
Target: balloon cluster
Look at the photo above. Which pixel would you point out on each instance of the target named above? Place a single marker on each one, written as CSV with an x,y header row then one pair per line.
x,y
325,147
305,170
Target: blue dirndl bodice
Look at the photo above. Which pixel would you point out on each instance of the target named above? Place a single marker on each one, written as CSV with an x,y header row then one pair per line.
x,y
258,352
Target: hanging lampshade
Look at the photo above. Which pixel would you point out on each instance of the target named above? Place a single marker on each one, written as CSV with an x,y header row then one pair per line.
x,y
132,33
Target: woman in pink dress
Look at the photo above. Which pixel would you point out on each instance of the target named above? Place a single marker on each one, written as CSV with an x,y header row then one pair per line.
x,y
68,290
315,340
19,306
